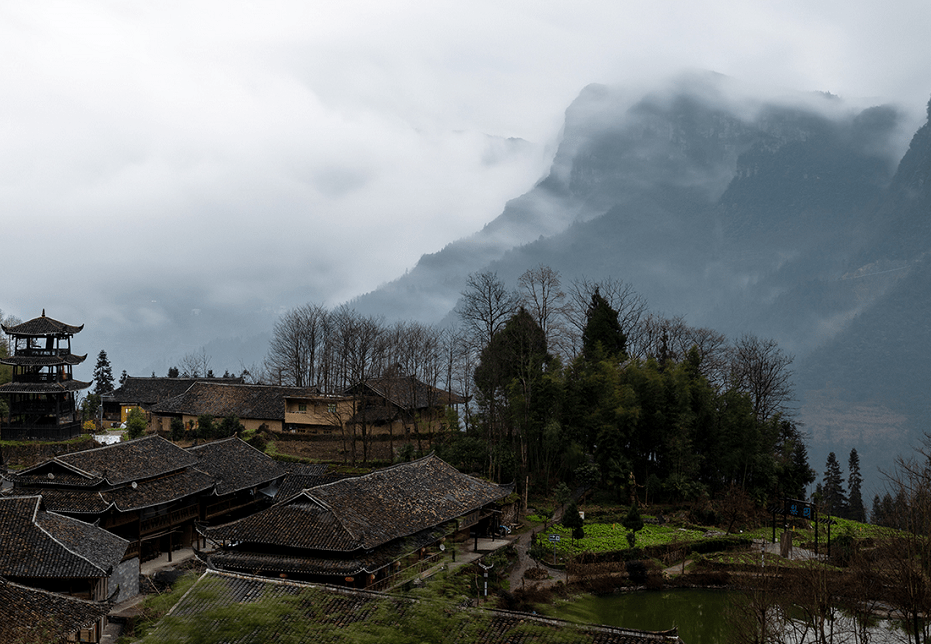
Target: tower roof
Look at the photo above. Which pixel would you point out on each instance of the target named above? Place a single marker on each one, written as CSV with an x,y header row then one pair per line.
x,y
42,326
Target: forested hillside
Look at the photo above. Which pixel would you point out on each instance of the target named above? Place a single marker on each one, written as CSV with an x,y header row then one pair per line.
x,y
789,218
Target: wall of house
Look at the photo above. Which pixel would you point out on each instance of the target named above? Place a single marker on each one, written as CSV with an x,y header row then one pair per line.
x,y
125,579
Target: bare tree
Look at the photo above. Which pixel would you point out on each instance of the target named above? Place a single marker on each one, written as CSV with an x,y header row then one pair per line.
x,y
485,307
542,296
903,558
294,352
761,368
195,365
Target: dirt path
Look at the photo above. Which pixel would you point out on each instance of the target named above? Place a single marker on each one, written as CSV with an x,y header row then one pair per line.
x,y
526,562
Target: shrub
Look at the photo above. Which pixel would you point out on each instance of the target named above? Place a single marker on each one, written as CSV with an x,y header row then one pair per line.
x,y
637,571
135,423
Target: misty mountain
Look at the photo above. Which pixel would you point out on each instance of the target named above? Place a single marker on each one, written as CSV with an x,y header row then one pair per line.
x,y
793,217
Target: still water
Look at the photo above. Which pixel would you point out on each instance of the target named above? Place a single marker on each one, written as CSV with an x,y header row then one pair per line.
x,y
699,614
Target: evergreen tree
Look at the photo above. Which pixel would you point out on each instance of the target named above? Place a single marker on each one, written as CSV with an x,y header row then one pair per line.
x,y
103,374
634,523
173,372
834,500
602,336
856,511
123,377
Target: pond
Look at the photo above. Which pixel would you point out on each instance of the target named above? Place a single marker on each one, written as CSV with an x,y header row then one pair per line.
x,y
699,614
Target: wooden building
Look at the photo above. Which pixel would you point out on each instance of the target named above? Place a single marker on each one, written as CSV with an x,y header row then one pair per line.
x,y
151,492
145,393
256,406
41,394
33,615
357,531
399,405
62,555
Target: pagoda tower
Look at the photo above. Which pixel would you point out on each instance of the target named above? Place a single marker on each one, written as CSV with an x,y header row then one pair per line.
x,y
42,393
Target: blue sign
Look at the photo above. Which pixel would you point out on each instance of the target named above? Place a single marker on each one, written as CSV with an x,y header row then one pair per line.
x,y
554,537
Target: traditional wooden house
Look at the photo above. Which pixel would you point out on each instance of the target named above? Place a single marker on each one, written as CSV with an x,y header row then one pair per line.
x,y
32,615
148,491
320,613
42,393
144,393
316,413
55,553
256,406
357,530
246,479
399,405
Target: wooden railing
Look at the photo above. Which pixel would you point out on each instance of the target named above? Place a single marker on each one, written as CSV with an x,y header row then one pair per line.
x,y
405,574
170,519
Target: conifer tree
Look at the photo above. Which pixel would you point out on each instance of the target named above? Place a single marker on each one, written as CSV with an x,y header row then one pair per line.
x,y
602,337
856,510
834,499
103,374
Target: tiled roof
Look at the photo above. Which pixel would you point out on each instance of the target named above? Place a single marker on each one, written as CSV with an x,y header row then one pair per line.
x,y
298,523
43,360
38,544
302,563
131,460
43,387
366,511
69,501
236,465
149,391
26,614
256,402
323,611
42,326
410,394
302,476
102,548
159,490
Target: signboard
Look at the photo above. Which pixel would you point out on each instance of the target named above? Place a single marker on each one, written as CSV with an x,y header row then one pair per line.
x,y
801,509
554,537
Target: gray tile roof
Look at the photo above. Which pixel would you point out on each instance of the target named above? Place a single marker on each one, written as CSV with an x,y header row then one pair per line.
x,y
366,511
42,326
149,391
27,613
323,612
130,461
38,544
236,465
257,402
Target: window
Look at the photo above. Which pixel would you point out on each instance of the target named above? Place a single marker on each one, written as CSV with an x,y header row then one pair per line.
x,y
331,408
302,407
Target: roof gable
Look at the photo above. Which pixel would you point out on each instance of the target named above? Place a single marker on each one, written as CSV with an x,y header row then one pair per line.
x,y
40,544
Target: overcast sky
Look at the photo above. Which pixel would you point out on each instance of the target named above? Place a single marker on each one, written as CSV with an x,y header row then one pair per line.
x,y
157,156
